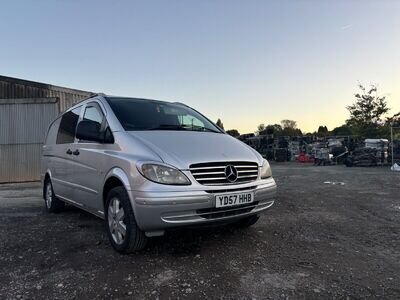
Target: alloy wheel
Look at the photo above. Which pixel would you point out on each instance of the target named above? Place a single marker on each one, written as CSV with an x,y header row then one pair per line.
x,y
49,195
116,221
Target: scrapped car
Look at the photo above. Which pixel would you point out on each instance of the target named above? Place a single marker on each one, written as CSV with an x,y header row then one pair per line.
x,y
146,166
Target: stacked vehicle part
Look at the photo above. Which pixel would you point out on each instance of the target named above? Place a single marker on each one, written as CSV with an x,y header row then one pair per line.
x,y
381,146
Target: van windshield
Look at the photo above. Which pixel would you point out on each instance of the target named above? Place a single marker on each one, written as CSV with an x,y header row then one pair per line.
x,y
141,114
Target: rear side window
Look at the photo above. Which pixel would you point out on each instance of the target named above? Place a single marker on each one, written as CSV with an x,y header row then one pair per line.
x,y
66,132
52,133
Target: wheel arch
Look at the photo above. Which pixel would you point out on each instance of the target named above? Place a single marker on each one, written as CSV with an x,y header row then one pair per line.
x,y
46,177
115,177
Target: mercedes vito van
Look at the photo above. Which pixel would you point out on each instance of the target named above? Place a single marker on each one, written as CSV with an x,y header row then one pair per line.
x,y
146,166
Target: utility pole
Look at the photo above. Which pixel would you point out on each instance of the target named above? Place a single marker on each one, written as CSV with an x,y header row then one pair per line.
x,y
392,139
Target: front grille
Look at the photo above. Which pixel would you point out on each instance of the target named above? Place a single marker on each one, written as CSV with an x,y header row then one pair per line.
x,y
214,173
215,213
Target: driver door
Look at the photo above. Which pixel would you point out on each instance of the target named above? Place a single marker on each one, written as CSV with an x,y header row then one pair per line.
x,y
90,163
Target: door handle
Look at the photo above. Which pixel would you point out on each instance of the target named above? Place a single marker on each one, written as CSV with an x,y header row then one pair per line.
x,y
69,151
76,152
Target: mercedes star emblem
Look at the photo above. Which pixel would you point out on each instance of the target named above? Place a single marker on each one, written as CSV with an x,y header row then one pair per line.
x,y
231,173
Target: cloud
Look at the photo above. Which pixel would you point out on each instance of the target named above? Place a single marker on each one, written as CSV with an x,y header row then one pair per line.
x,y
346,26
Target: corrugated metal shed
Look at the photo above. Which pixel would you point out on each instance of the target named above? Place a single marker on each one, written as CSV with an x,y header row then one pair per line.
x,y
26,110
11,88
23,124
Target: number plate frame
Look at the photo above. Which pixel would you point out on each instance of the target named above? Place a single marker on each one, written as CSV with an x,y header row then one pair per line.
x,y
233,199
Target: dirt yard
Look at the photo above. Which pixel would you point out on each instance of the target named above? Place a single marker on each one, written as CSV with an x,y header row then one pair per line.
x,y
339,239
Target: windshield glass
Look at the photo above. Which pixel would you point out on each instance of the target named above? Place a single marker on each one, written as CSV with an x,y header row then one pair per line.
x,y
141,114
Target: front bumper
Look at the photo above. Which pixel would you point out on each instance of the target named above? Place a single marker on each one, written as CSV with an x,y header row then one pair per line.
x,y
156,211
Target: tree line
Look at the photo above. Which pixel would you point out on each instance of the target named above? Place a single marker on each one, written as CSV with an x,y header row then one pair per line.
x,y
367,119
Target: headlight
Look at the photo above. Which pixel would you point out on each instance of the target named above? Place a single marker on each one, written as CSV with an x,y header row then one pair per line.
x,y
265,170
163,174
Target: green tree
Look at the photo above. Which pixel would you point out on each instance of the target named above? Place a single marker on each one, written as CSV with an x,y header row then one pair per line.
x,y
233,132
343,130
393,120
384,131
220,124
322,131
289,124
260,128
367,112
290,128
275,129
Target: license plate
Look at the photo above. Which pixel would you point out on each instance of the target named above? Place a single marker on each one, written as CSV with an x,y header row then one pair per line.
x,y
232,199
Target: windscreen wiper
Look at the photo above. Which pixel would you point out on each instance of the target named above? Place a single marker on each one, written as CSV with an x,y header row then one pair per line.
x,y
182,127
167,127
200,128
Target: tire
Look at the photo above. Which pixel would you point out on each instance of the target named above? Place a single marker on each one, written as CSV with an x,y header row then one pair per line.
x,y
248,221
123,232
52,203
348,162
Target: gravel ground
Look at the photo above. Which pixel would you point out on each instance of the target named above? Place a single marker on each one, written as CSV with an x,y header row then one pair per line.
x,y
320,240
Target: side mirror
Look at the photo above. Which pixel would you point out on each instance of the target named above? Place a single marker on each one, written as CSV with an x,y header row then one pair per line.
x,y
89,131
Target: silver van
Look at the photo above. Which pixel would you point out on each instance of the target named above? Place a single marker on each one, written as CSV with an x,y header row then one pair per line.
x,y
146,166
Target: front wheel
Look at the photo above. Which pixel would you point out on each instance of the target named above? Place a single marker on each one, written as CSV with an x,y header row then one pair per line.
x,y
53,204
122,230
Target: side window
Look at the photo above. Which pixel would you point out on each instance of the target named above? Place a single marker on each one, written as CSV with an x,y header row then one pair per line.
x,y
189,120
95,114
92,113
52,133
66,132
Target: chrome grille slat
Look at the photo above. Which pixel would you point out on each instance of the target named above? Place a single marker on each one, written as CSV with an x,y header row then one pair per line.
x,y
210,173
202,168
213,173
247,176
242,167
209,178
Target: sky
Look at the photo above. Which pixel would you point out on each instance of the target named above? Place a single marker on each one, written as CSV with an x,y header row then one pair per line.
x,y
246,62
